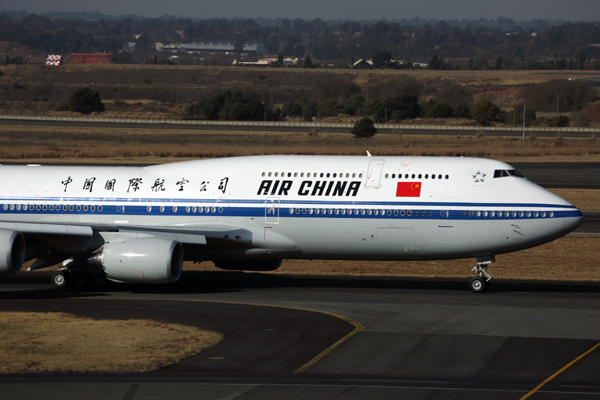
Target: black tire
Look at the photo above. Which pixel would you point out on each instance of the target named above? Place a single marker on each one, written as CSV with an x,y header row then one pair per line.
x,y
80,281
478,285
99,282
59,279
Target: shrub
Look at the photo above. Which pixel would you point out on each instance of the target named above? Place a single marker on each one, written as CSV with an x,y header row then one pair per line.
x,y
329,108
291,109
354,105
364,128
440,110
485,112
309,111
560,121
399,107
86,101
530,115
461,110
229,106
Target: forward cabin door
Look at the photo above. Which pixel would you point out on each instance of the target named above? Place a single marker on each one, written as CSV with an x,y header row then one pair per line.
x,y
272,211
374,174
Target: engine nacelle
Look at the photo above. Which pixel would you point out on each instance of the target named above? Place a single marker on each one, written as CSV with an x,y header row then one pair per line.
x,y
12,251
249,265
141,260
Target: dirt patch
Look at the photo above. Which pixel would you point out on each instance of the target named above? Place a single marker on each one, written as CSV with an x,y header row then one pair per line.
x,y
55,342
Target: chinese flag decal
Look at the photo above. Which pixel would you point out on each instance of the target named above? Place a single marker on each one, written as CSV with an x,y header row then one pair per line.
x,y
408,189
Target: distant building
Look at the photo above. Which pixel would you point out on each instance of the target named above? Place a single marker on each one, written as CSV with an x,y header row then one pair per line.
x,y
91,58
217,46
54,60
363,64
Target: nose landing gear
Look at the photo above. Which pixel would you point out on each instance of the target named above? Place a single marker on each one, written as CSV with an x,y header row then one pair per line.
x,y
481,282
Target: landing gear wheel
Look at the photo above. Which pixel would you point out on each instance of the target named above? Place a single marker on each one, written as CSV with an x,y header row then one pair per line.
x,y
99,282
478,284
80,281
59,279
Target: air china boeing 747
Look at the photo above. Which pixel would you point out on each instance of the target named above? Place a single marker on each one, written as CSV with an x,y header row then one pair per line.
x,y
138,224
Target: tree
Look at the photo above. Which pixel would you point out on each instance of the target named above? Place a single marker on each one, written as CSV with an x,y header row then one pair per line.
x,y
86,101
559,121
309,111
434,63
440,110
381,59
461,110
238,46
530,115
400,107
307,62
229,106
485,112
364,128
291,109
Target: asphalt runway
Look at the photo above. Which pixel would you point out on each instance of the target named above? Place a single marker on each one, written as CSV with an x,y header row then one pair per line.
x,y
399,338
161,125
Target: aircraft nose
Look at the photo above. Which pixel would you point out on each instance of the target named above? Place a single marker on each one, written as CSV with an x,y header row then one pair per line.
x,y
573,220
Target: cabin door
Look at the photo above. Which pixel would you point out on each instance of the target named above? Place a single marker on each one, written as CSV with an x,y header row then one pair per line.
x,y
374,174
272,210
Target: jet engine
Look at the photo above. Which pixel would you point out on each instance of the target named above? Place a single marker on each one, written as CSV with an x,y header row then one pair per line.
x,y
12,251
248,265
140,260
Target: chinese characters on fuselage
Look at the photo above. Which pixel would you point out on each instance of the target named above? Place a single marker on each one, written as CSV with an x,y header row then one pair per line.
x,y
135,184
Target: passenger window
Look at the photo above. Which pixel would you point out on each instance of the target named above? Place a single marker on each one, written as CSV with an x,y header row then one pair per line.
x,y
409,212
470,213
174,209
162,209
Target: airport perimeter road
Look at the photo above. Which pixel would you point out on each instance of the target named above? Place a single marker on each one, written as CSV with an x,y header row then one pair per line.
x,y
437,131
400,338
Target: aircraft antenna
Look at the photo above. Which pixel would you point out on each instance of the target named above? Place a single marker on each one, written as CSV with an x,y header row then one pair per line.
x,y
368,154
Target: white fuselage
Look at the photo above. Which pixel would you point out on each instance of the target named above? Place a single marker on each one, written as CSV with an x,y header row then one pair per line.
x,y
330,207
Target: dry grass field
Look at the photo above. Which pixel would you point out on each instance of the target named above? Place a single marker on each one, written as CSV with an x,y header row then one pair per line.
x,y
139,146
35,342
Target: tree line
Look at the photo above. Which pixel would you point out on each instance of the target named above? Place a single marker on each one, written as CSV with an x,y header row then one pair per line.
x,y
398,99
504,44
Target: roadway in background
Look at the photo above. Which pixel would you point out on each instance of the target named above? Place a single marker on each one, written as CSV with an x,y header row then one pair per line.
x,y
302,127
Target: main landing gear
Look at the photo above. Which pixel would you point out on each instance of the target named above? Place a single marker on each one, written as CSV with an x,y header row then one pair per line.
x,y
77,279
481,282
